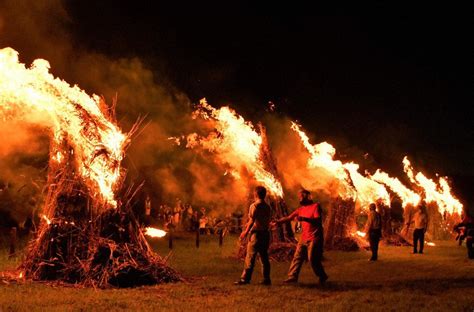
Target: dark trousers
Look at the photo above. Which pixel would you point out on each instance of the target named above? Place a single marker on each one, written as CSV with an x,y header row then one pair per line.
x,y
258,243
374,239
470,243
418,236
311,250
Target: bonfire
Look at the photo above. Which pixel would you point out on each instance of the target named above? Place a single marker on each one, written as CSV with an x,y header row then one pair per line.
x,y
239,145
355,188
88,236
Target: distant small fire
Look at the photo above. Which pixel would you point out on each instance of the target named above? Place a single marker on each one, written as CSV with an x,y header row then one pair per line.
x,y
361,234
154,232
48,221
430,244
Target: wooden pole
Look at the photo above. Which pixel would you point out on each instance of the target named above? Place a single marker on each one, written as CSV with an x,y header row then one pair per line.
x,y
197,238
170,238
221,237
12,242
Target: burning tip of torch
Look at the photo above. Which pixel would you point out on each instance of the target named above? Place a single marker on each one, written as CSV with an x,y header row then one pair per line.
x,y
430,244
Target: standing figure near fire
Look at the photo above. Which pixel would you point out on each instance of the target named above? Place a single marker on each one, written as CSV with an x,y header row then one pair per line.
x,y
421,223
259,239
467,226
310,245
373,229
147,211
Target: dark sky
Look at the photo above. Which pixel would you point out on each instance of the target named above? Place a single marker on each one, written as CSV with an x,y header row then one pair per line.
x,y
388,85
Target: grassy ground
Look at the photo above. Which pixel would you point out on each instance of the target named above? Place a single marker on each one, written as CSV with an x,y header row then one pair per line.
x,y
440,280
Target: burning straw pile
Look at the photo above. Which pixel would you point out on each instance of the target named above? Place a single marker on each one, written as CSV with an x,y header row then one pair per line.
x,y
109,250
88,236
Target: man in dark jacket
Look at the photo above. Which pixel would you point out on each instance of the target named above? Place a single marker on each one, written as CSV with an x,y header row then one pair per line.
x,y
467,225
374,230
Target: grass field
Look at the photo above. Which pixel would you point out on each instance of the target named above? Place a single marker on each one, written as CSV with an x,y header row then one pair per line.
x,y
440,280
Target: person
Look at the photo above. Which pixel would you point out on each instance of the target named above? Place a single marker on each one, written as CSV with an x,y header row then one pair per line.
x,y
189,217
374,230
467,226
147,211
310,245
421,223
257,228
203,224
177,212
195,221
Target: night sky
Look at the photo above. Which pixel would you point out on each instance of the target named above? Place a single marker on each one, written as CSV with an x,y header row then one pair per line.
x,y
388,85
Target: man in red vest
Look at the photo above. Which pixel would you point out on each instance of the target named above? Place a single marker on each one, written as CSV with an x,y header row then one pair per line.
x,y
310,245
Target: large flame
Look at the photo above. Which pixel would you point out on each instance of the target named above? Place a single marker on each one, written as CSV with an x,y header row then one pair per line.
x,y
368,191
37,96
355,185
236,143
322,157
407,196
437,193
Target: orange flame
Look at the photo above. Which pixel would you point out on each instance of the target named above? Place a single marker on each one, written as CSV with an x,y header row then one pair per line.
x,y
48,221
366,191
322,156
36,95
406,195
236,143
439,194
153,232
361,234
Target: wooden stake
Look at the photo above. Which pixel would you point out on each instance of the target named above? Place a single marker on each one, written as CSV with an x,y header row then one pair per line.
x,y
170,239
197,238
12,242
221,237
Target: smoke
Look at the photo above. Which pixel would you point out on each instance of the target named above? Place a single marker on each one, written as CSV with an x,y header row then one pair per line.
x,y
292,163
40,30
